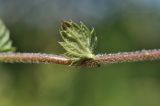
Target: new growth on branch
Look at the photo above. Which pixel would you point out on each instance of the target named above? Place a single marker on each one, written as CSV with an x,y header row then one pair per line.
x,y
79,41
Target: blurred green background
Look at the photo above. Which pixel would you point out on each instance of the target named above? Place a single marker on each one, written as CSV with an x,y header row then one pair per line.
x,y
121,25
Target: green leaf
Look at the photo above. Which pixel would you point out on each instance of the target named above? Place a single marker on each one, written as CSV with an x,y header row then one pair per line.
x,y
79,41
5,42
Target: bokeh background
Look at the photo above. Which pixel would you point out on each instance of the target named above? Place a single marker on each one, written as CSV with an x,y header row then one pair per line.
x,y
121,25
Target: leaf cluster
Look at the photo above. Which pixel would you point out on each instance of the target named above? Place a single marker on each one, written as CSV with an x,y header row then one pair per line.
x,y
79,41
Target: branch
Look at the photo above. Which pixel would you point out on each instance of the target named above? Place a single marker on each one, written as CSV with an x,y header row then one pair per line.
x,y
144,55
34,58
78,41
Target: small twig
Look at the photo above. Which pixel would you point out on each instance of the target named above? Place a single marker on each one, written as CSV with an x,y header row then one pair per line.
x,y
34,58
144,55
79,41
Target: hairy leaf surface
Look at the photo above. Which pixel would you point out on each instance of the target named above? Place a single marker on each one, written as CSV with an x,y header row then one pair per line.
x,y
79,40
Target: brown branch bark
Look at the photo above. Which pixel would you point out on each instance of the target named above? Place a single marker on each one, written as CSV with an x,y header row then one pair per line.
x,y
34,58
144,55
